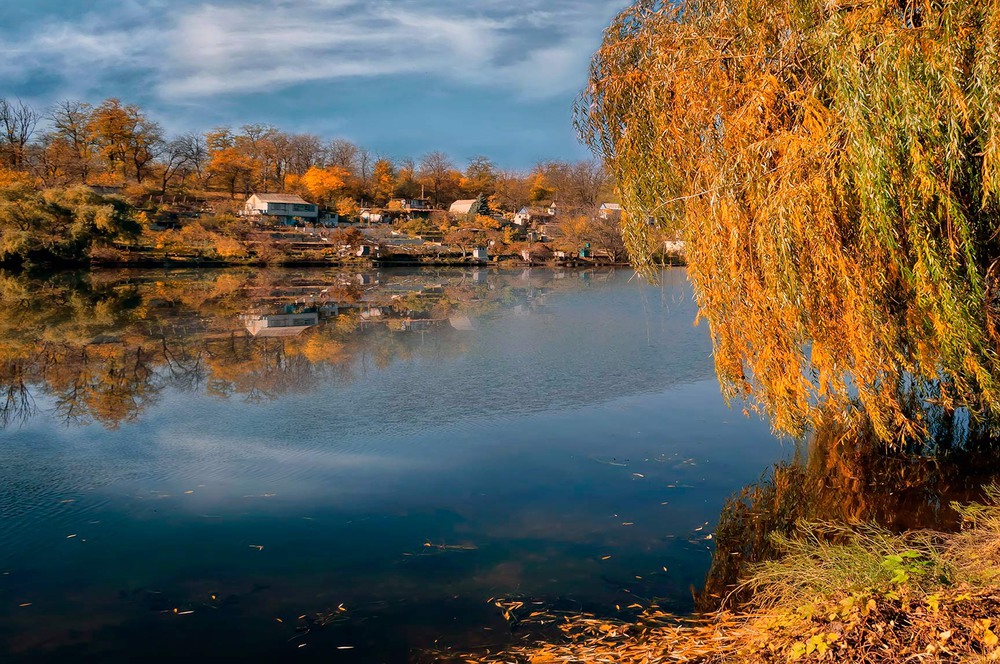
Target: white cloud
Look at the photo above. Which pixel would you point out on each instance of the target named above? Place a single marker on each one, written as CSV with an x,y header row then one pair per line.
x,y
533,48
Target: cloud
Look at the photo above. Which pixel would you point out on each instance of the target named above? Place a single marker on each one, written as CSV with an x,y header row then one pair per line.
x,y
189,49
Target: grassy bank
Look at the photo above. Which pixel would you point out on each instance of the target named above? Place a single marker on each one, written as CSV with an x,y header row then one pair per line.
x,y
836,593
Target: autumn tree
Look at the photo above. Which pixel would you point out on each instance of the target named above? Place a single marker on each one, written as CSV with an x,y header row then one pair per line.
x,y
324,183
227,163
348,208
835,171
125,137
59,224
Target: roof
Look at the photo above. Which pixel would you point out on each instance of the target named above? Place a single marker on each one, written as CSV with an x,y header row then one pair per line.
x,y
281,198
534,211
279,332
610,206
462,207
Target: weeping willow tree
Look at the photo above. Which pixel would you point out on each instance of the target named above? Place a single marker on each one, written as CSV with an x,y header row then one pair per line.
x,y
834,168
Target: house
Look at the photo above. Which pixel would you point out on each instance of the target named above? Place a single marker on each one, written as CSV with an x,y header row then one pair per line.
x,y
479,254
530,215
280,325
610,211
461,207
410,204
282,208
475,206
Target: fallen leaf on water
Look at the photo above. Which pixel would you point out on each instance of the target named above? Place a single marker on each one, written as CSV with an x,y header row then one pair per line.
x,y
185,613
638,475
70,536
259,547
628,523
24,605
187,493
345,647
302,645
605,557
279,620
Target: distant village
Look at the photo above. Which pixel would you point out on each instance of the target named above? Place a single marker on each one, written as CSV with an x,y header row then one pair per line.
x,y
413,227
256,195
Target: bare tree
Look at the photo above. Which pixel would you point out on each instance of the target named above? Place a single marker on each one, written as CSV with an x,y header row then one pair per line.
x,y
70,120
346,155
578,187
17,122
434,170
176,158
196,151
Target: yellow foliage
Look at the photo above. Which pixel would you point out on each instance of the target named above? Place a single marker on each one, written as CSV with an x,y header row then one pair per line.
x,y
833,170
323,183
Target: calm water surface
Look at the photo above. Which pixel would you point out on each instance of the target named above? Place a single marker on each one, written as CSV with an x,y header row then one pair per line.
x,y
191,462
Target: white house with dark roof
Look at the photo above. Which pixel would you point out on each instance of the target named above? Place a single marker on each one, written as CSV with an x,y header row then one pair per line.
x,y
283,208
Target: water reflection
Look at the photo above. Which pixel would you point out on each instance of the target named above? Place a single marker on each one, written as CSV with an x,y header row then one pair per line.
x,y
103,346
557,434
842,475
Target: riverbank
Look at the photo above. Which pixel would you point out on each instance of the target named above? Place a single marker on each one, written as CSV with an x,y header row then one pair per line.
x,y
838,593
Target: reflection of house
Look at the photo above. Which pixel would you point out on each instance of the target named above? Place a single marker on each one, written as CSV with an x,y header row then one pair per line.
x,y
283,208
280,325
463,323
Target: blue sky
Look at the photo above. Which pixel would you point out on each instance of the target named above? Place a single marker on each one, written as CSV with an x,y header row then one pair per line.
x,y
401,77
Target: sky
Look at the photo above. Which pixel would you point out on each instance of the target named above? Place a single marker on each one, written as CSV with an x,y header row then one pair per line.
x,y
401,77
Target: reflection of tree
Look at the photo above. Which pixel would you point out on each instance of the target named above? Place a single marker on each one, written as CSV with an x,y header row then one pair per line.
x,y
16,404
844,477
103,346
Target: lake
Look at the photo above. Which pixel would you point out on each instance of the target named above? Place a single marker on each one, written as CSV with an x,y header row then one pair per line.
x,y
331,466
